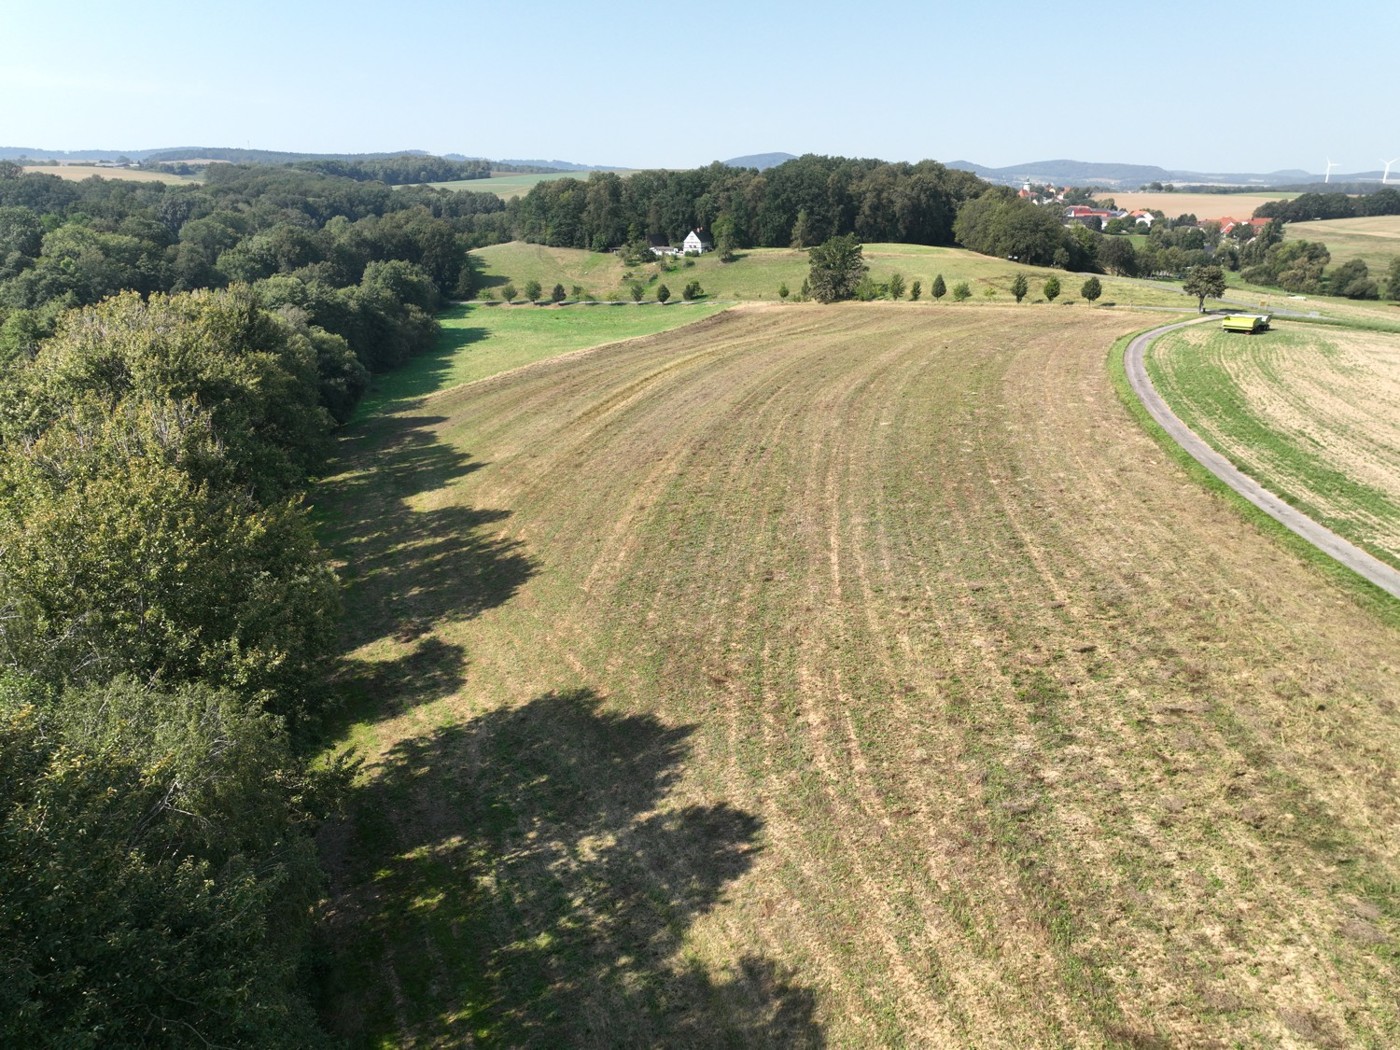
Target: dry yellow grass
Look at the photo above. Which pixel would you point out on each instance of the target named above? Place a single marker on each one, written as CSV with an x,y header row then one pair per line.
x,y
855,674
77,172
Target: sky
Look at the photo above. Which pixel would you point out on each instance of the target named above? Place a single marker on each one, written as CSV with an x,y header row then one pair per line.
x,y
1239,85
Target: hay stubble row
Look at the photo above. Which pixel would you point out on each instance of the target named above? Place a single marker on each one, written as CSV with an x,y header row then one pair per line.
x,y
967,718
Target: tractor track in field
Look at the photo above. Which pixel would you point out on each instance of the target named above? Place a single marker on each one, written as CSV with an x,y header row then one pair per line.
x,y
1324,539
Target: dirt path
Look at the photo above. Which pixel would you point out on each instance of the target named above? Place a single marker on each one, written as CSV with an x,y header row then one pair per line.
x,y
1324,539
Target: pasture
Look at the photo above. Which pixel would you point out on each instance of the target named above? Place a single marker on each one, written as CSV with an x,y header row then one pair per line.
x,y
1202,205
77,172
1375,240
757,273
1312,413
858,675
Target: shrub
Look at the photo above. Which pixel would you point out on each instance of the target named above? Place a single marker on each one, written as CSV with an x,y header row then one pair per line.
x,y
961,292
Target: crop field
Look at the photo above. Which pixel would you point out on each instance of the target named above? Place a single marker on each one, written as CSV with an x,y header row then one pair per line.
x,y
861,675
1202,205
757,273
1313,414
78,172
1375,239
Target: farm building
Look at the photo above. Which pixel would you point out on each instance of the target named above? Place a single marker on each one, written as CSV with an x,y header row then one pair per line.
x,y
697,241
660,246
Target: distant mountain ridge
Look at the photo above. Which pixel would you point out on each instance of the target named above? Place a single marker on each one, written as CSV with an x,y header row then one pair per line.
x,y
236,155
761,161
1131,176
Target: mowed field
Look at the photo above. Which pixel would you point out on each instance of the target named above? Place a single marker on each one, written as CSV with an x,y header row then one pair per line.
x,y
852,675
1202,205
1312,413
757,274
1375,239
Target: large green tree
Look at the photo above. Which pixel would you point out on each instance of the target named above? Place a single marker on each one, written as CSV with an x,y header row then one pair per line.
x,y
159,874
1205,282
837,268
125,549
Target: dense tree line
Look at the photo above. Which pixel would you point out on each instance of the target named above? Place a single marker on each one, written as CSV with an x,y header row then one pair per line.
x,y
166,622
401,169
1309,206
802,203
65,245
174,359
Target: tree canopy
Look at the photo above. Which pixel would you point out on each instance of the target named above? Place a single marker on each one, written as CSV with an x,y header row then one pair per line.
x,y
837,269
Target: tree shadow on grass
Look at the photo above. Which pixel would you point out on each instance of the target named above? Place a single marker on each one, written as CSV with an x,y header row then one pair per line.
x,y
534,890
420,375
409,568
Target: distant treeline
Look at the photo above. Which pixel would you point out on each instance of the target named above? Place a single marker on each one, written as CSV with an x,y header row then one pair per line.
x,y
359,260
1309,206
356,165
802,202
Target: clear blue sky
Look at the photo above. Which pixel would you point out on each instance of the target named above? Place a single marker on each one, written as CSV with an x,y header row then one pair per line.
x,y
1226,85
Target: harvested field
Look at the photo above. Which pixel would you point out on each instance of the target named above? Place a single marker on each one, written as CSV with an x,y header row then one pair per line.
x,y
1202,205
78,172
857,675
1312,414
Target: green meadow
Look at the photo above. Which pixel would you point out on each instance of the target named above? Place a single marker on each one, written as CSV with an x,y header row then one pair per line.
x,y
479,340
758,273
1374,239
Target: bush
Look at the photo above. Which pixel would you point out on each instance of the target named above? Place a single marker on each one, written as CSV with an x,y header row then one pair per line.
x,y
939,289
662,294
533,291
557,295
508,293
915,290
961,292
783,292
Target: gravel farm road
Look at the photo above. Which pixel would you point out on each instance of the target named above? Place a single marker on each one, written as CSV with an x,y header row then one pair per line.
x,y
1324,539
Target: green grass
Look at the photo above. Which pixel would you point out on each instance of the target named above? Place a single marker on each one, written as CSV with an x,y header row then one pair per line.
x,y
507,186
478,341
1196,376
1375,240
1369,596
757,274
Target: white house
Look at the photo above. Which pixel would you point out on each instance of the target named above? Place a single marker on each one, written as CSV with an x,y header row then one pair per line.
x,y
697,241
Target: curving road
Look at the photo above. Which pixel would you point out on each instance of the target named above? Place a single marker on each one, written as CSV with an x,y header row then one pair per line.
x,y
1324,539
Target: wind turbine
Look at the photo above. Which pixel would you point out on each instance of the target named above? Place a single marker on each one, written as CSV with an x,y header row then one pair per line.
x,y
1387,164
1330,166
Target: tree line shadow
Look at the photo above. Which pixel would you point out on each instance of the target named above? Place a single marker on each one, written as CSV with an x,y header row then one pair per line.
x,y
416,378
535,890
407,569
